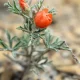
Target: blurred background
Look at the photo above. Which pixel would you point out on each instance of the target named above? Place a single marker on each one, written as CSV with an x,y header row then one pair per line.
x,y
66,26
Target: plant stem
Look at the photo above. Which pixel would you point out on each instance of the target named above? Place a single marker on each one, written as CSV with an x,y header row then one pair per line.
x,y
75,58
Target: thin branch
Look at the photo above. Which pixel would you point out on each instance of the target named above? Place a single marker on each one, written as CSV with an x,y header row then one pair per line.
x,y
1,49
75,57
42,54
22,63
41,50
32,50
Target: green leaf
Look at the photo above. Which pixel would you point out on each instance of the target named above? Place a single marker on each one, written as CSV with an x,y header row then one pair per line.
x,y
54,43
53,11
9,39
25,40
5,4
3,44
36,41
15,7
40,67
59,45
43,61
15,38
39,30
9,5
26,26
19,28
49,63
29,23
48,38
14,54
17,46
38,5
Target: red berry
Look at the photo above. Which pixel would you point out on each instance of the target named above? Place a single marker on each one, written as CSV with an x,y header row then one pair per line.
x,y
43,18
23,4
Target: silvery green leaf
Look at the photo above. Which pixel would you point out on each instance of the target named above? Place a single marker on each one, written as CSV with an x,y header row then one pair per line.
x,y
9,39
43,61
25,40
15,38
38,5
14,54
53,11
40,67
4,45
17,45
5,4
15,6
